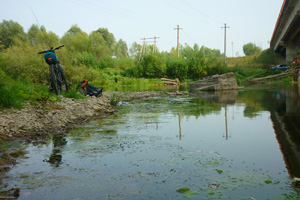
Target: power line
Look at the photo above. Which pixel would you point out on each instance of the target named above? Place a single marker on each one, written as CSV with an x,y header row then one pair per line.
x,y
39,26
232,48
202,13
143,49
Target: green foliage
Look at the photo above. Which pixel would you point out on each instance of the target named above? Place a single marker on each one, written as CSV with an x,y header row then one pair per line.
x,y
268,58
183,190
114,99
9,98
74,94
107,62
75,40
251,49
85,58
14,92
98,58
108,37
9,32
215,67
121,49
177,68
151,66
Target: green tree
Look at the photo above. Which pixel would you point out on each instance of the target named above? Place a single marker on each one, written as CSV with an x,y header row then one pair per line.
x,y
251,49
40,36
76,40
268,58
121,49
177,68
135,49
33,34
108,37
98,45
9,31
151,65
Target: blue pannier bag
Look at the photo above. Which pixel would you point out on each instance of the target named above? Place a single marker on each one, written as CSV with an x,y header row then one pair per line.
x,y
50,58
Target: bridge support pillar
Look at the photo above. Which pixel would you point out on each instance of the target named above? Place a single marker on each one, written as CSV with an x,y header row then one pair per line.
x,y
292,50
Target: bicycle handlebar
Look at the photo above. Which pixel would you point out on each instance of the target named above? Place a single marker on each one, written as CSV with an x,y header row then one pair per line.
x,y
51,49
59,47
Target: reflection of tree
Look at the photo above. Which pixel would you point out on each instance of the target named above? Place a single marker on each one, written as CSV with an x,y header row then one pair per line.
x,y
196,107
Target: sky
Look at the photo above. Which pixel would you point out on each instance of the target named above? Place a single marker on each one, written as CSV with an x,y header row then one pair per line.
x,y
200,21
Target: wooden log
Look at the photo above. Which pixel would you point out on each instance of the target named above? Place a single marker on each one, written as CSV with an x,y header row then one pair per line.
x,y
170,83
277,76
170,80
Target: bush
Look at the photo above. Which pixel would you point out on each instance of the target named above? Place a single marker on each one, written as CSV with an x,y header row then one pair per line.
x,y
177,68
216,67
151,66
107,62
85,58
74,93
9,98
196,68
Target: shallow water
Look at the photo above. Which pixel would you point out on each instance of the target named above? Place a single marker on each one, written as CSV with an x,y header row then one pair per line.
x,y
228,145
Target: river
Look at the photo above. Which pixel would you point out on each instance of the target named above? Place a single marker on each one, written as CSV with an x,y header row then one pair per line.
x,y
221,145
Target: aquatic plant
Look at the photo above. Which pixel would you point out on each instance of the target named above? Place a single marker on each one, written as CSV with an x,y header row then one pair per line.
x,y
183,190
114,99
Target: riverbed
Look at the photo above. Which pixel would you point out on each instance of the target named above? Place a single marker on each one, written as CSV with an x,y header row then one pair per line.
x,y
218,145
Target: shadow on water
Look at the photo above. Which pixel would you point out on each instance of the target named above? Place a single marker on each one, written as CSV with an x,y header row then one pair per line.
x,y
213,145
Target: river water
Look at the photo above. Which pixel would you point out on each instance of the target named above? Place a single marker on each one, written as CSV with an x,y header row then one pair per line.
x,y
222,145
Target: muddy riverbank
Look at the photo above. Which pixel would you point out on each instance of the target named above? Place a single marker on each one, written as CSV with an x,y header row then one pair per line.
x,y
39,120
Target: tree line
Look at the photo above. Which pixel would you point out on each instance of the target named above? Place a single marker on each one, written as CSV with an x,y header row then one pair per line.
x,y
98,56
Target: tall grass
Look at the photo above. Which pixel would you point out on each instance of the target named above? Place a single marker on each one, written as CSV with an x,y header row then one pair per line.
x,y
74,93
9,97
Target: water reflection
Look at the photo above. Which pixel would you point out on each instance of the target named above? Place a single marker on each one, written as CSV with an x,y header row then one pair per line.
x,y
152,147
221,97
284,107
59,142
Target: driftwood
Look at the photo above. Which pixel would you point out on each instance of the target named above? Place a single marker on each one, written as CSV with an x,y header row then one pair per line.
x,y
273,77
170,81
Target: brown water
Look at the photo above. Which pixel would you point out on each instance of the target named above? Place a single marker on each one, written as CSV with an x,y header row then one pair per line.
x,y
228,145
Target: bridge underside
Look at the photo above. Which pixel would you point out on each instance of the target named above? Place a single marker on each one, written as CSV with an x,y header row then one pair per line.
x,y
286,36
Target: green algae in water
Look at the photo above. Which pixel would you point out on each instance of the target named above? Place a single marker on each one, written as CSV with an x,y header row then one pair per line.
x,y
183,190
268,181
210,192
214,162
190,193
219,171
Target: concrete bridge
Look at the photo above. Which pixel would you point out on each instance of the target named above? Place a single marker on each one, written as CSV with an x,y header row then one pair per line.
x,y
286,35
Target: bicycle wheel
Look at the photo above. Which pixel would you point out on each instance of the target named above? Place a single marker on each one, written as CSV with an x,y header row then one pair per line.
x,y
63,81
53,79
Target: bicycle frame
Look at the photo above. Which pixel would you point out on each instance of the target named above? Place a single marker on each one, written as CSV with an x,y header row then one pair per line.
x,y
57,78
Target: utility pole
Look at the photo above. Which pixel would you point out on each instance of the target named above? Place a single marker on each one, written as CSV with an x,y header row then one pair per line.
x,y
154,45
225,27
232,48
143,50
177,39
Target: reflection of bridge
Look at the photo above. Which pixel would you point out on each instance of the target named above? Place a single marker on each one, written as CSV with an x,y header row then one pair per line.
x,y
287,133
286,35
285,117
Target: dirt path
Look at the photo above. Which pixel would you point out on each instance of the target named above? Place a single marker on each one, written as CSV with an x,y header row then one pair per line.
x,y
36,120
